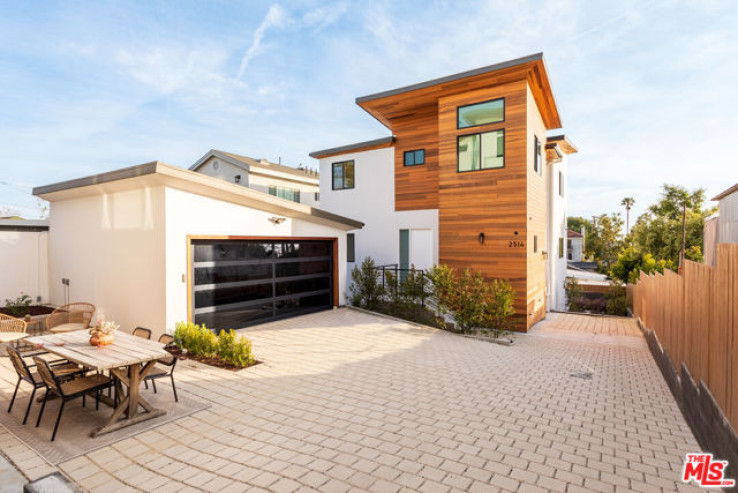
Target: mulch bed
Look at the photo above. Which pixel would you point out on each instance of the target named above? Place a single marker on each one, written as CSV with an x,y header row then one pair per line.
x,y
32,310
217,362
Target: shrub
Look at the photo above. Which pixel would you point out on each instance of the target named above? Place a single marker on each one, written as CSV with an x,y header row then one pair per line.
x,y
234,348
366,292
574,298
632,261
475,302
229,346
616,299
19,306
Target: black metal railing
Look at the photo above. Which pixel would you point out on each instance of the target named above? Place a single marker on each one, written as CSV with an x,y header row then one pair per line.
x,y
391,276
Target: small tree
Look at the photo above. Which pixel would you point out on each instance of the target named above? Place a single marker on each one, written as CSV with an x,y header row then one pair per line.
x,y
442,288
366,291
616,299
500,308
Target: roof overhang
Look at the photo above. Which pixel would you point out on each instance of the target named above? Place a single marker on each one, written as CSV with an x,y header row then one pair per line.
x,y
256,169
727,192
389,105
368,145
155,174
562,143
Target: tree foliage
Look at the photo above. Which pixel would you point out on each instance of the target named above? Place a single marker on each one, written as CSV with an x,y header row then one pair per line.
x,y
631,261
659,230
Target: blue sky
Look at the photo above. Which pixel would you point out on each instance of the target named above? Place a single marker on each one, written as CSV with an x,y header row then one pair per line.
x,y
645,89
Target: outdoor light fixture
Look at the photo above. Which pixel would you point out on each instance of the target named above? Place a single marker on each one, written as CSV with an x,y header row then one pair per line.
x,y
277,220
237,178
481,238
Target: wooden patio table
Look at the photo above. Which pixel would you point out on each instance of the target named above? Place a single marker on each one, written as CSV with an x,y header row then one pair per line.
x,y
129,359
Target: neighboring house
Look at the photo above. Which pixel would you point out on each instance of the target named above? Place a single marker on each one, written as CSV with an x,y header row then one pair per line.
x,y
297,185
575,246
721,227
468,178
154,244
23,259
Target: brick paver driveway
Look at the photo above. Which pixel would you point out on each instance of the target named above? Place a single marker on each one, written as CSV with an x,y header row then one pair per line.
x,y
351,401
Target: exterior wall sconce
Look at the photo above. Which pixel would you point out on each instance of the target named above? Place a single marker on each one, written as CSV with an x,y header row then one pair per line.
x,y
481,238
237,178
277,220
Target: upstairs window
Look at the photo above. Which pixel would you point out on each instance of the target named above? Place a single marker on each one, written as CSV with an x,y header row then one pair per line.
x,y
414,158
343,175
537,158
481,151
285,193
475,114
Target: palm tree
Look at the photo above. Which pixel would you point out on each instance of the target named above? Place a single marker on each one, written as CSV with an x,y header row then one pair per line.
x,y
627,202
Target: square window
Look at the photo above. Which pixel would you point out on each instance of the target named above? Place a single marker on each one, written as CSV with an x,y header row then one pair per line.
x,y
481,151
343,175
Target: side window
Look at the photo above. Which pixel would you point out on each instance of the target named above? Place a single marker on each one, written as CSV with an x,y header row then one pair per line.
x,y
537,158
343,175
350,247
414,158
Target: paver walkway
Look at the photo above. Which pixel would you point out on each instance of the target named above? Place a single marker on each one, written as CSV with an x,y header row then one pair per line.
x,y
350,401
588,325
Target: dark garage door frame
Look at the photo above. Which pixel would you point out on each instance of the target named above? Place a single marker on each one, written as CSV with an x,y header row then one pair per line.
x,y
190,270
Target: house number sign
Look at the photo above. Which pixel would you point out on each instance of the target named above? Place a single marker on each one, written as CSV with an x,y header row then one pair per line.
x,y
516,244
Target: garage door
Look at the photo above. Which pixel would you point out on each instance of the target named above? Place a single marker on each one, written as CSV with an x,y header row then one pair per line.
x,y
237,283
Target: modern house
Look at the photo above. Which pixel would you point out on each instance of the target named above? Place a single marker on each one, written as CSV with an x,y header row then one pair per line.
x,y
721,227
575,246
155,244
468,177
297,185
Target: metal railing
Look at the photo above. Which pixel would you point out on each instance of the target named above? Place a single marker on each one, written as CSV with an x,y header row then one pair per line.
x,y
391,275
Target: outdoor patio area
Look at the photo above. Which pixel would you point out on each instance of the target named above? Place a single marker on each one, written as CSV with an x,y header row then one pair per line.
x,y
346,401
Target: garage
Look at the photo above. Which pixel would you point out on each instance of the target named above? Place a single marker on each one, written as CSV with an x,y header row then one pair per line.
x,y
237,282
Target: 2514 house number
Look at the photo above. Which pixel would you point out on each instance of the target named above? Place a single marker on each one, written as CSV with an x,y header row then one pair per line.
x,y
517,244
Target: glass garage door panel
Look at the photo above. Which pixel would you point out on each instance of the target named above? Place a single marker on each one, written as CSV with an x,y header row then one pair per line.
x,y
240,282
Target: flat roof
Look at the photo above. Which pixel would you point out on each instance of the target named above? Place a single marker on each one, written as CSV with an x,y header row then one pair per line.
x,y
157,173
727,192
7,224
359,146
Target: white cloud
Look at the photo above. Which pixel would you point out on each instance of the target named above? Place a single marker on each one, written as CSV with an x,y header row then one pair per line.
x,y
275,17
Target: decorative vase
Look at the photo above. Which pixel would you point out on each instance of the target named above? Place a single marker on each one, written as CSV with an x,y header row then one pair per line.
x,y
27,318
101,339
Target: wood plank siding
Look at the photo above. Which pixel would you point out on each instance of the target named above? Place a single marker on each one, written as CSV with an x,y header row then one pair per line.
x,y
416,187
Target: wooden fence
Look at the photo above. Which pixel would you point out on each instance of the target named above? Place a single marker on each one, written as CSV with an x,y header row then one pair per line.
x,y
695,317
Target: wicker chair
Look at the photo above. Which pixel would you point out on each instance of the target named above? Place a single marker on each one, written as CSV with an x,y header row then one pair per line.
x,y
74,316
142,333
11,328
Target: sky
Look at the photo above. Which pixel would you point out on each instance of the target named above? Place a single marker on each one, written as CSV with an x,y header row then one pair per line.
x,y
645,89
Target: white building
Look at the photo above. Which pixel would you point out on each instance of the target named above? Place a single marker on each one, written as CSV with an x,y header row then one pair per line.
x,y
723,226
575,246
155,244
23,259
297,185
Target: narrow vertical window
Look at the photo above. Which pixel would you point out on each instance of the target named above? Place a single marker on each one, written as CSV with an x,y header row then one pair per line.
x,y
350,248
561,184
537,155
404,249
535,243
561,247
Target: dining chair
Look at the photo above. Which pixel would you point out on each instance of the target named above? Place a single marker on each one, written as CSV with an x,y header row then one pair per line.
x,y
62,368
74,316
11,328
68,390
158,372
142,333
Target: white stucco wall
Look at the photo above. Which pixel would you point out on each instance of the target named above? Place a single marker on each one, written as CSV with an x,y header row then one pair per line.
x,y
111,248
372,201
576,250
24,265
556,228
258,180
190,214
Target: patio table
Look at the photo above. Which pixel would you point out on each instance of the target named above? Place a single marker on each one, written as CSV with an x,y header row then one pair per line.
x,y
129,359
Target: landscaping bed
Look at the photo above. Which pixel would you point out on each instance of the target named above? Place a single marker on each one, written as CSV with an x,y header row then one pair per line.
x,y
32,310
214,361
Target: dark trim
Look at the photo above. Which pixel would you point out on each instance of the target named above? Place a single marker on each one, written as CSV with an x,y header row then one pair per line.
x,y
343,164
458,137
24,229
481,102
404,158
450,78
120,174
352,147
